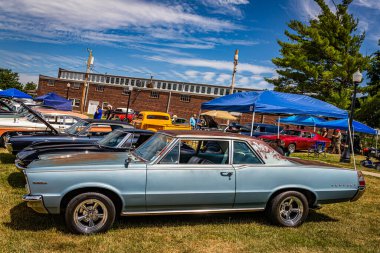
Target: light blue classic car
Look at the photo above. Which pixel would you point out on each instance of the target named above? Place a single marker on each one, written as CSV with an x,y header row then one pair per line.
x,y
180,172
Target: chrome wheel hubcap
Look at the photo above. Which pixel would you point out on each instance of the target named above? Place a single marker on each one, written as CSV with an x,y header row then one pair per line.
x,y
291,210
90,215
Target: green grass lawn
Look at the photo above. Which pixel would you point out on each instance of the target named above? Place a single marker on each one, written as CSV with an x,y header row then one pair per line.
x,y
344,227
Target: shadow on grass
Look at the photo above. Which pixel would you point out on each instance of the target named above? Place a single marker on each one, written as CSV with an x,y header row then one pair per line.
x,y
16,180
24,218
6,158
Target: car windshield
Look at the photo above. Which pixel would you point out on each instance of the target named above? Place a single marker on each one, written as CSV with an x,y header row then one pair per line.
x,y
291,132
77,127
112,139
150,149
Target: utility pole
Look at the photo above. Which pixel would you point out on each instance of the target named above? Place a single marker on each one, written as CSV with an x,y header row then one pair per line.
x,y
236,57
90,61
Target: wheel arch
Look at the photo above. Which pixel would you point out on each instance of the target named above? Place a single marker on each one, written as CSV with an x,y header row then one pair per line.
x,y
110,193
310,195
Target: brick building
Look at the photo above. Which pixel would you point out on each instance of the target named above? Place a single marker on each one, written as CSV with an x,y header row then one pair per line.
x,y
180,98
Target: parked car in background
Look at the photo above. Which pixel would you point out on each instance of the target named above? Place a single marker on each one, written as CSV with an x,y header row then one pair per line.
x,y
120,113
259,129
84,131
181,172
294,139
120,140
155,121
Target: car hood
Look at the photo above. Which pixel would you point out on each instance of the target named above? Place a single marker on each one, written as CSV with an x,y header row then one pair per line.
x,y
282,137
80,161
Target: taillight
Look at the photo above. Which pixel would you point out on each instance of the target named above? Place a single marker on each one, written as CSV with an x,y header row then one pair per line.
x,y
361,179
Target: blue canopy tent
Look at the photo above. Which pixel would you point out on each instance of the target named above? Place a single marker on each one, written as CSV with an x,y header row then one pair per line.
x,y
343,124
303,120
55,101
14,93
273,102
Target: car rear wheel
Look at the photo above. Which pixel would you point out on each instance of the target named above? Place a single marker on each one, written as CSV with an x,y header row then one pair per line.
x,y
288,209
90,213
292,148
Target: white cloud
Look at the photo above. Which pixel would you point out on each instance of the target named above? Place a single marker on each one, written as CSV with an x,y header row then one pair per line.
x,y
214,64
92,20
373,4
208,76
222,78
308,9
227,7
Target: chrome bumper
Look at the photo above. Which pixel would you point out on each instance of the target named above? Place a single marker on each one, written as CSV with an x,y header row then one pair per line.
x,y
358,194
19,165
35,202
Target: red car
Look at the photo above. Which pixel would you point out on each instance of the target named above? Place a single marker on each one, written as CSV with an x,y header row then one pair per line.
x,y
297,139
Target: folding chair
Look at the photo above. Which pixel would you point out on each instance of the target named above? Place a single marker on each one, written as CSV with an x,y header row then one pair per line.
x,y
318,148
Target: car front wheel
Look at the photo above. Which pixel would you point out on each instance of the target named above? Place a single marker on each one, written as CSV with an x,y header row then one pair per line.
x,y
288,209
90,213
292,148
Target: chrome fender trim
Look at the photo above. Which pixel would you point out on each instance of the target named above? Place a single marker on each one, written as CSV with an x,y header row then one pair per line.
x,y
198,211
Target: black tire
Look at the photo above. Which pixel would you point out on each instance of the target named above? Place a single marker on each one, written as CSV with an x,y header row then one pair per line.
x,y
291,148
282,209
95,218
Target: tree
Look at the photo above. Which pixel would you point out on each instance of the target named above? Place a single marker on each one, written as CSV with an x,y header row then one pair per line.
x,y
321,56
30,86
369,111
9,79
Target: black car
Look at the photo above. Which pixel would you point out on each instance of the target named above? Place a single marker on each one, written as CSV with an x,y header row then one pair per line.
x,y
83,131
119,140
259,129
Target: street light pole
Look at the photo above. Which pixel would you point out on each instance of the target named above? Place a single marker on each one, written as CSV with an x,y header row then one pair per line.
x,y
67,91
129,100
346,155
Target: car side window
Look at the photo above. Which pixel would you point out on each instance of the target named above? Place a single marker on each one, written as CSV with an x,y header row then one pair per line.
x,y
172,157
243,154
199,152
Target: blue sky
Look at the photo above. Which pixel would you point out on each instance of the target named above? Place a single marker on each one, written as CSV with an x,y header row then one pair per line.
x,y
190,40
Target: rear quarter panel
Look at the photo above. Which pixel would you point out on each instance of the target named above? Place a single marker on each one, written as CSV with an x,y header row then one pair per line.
x,y
256,184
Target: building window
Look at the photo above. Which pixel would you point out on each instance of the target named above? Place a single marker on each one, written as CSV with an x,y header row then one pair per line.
x,y
158,85
93,78
154,94
197,89
139,83
117,80
215,91
203,90
192,88
180,87
185,98
107,79
121,80
133,82
51,83
174,86
75,102
208,90
186,87
126,81
102,79
99,88
163,85
227,91
112,79
221,91
169,86
76,86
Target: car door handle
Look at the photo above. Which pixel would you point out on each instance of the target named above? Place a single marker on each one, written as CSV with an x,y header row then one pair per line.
x,y
226,174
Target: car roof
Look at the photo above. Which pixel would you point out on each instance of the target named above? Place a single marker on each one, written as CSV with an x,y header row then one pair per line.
x,y
134,130
206,134
53,112
116,122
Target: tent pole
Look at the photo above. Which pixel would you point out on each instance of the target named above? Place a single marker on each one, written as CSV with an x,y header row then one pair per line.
x,y
377,138
253,121
278,127
352,146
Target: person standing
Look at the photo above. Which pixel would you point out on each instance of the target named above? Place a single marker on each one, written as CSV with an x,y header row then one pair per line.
x,y
337,141
98,113
109,113
193,121
324,132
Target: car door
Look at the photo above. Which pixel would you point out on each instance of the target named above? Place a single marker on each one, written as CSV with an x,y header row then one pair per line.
x,y
184,179
252,178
